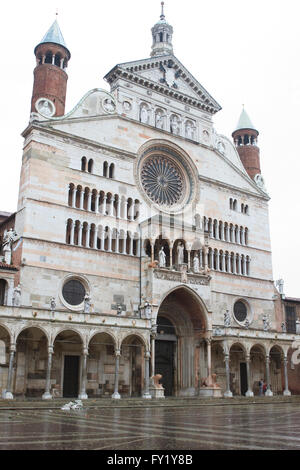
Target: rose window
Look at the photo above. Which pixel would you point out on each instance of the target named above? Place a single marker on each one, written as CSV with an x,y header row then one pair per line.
x,y
162,180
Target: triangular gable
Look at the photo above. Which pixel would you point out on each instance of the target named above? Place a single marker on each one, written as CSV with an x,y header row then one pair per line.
x,y
167,74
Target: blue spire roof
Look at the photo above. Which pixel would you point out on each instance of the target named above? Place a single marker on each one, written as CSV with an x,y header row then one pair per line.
x,y
244,122
54,35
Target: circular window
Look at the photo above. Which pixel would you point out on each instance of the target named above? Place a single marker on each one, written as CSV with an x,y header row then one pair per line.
x,y
240,311
162,180
73,292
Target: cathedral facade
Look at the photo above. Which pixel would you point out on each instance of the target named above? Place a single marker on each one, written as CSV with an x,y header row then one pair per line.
x,y
140,245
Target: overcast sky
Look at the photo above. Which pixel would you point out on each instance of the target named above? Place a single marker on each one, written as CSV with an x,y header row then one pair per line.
x,y
241,52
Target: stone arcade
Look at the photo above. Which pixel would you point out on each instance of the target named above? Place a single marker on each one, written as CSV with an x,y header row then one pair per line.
x,y
140,244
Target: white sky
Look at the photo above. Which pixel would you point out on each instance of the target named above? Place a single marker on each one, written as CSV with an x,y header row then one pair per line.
x,y
240,51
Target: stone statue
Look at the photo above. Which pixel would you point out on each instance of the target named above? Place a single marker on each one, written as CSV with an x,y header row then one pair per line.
x,y
266,323
87,304
174,125
180,253
162,258
189,131
16,300
8,238
148,309
52,303
196,264
227,318
144,115
283,327
159,120
279,284
247,324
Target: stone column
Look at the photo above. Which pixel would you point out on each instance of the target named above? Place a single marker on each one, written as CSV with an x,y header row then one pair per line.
x,y
152,252
95,237
74,197
131,245
146,393
119,208
189,259
171,256
7,395
249,392
87,236
102,245
72,232
116,395
153,354
104,205
109,235
111,208
81,199
117,240
83,394
97,203
208,344
244,266
269,392
47,395
286,391
89,203
228,392
217,261
80,227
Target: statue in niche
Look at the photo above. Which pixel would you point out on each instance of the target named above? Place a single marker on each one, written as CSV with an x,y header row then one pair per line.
x,y
159,120
174,125
148,309
162,258
16,299
87,304
144,117
227,319
180,253
189,131
196,264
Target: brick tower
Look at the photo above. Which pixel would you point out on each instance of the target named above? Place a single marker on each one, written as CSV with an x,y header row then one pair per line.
x,y
50,77
245,139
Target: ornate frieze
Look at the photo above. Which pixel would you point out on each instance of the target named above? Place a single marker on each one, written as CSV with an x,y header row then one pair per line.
x,y
182,276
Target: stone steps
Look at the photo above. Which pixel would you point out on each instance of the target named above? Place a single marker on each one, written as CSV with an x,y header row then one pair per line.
x,y
57,403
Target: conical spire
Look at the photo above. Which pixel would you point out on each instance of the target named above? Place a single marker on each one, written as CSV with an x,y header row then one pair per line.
x,y
162,36
244,122
54,36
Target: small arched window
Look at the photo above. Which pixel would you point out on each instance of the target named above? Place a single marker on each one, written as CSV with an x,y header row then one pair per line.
x,y
48,58
90,166
112,170
161,37
105,169
83,163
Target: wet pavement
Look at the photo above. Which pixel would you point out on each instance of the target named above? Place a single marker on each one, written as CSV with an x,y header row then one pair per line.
x,y
236,427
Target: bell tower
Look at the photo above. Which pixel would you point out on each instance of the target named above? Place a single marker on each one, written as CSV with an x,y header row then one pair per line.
x,y
50,77
162,36
245,139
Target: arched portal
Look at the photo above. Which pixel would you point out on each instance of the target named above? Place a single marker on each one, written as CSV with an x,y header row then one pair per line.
x,y
30,363
179,352
67,364
132,354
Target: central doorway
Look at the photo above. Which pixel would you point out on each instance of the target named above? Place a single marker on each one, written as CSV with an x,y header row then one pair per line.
x,y
181,325
71,376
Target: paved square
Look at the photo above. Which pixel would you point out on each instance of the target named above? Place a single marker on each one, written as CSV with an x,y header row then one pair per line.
x,y
247,427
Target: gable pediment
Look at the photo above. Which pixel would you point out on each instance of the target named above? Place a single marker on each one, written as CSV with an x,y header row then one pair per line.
x,y
167,75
